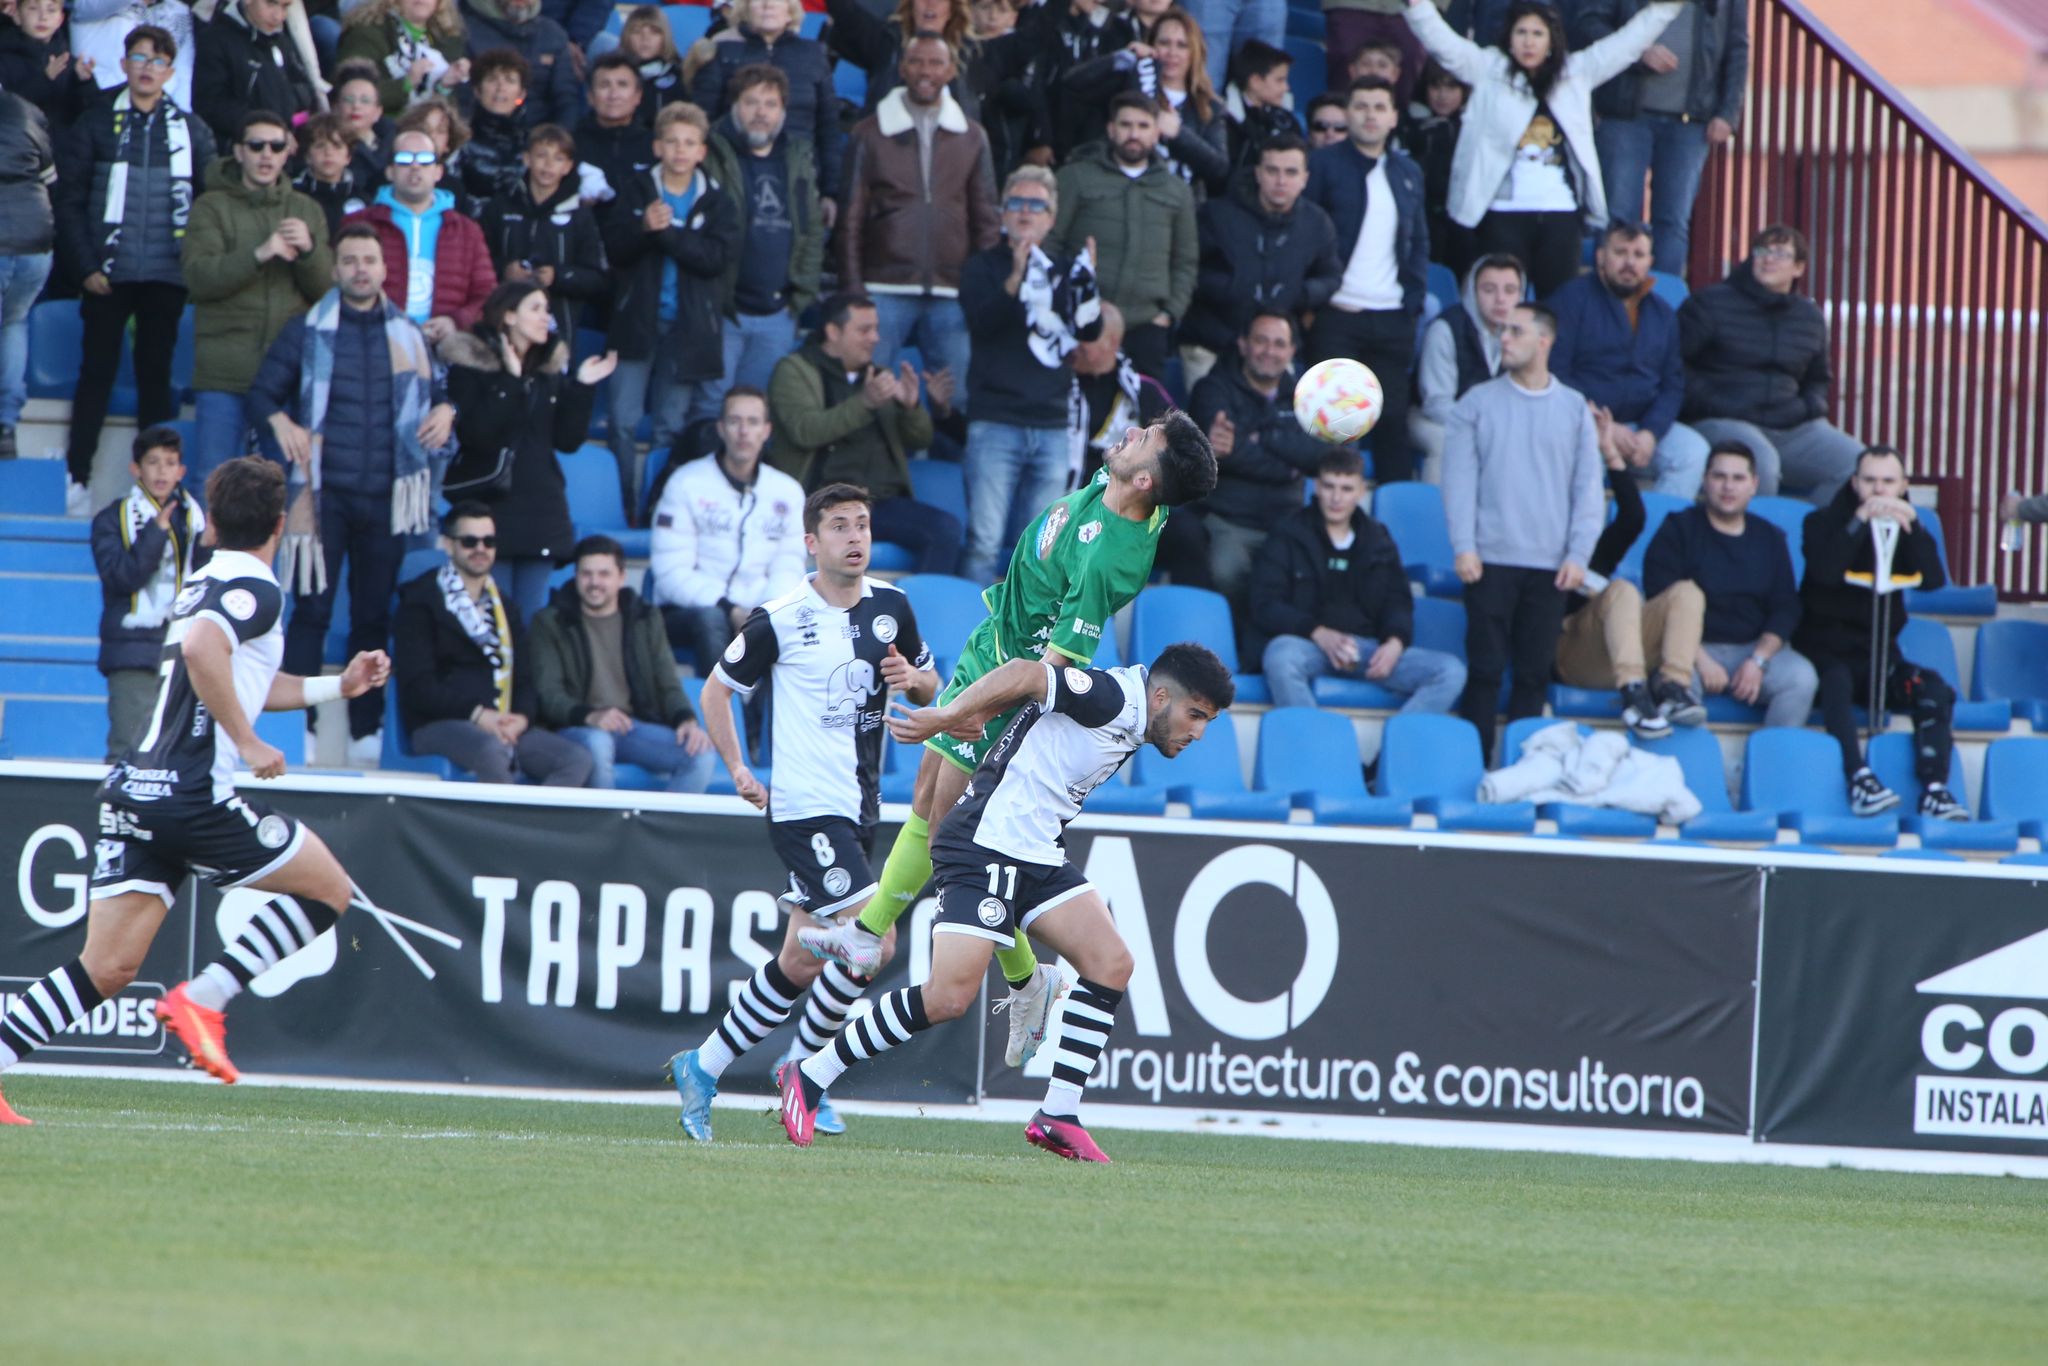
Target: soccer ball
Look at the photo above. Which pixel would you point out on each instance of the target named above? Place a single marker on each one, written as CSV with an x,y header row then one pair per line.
x,y
1338,400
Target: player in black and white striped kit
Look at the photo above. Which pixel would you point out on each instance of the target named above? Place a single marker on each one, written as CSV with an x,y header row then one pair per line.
x,y
832,651
1000,861
170,808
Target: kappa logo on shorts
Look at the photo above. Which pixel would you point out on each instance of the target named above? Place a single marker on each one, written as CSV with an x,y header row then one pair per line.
x,y
885,628
273,831
238,603
837,880
991,912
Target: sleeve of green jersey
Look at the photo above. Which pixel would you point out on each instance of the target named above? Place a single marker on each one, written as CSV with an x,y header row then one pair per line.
x,y
1101,588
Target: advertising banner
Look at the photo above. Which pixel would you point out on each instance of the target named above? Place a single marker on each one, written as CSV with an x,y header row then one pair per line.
x,y
1428,982
558,945
1904,1012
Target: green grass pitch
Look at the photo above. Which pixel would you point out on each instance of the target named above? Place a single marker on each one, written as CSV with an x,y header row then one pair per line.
x,y
202,1224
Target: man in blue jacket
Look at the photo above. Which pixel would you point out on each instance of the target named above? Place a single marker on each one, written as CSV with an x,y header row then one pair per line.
x,y
1617,343
1372,191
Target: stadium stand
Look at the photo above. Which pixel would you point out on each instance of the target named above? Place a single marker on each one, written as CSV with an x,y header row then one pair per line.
x,y
1312,756
1796,775
1434,761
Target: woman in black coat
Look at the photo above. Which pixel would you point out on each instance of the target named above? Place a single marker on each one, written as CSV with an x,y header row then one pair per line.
x,y
515,399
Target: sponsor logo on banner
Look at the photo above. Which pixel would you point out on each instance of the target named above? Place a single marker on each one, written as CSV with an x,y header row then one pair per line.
x,y
125,1024
1978,1021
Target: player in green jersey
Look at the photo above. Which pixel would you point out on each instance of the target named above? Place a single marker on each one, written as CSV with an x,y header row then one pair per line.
x,y
1078,565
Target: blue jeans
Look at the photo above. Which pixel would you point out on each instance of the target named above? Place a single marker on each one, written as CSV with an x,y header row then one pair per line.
x,y
355,528
1431,679
1012,473
21,280
752,346
1672,152
524,582
1680,462
636,383
220,432
1227,23
935,326
326,38
648,745
930,534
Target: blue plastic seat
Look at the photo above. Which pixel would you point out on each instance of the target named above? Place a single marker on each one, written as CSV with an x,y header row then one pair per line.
x,y
1434,761
43,557
850,83
1413,512
1796,775
1699,755
1579,822
721,780
1440,625
2034,860
1789,516
1656,507
56,348
50,606
591,476
1118,797
948,609
2012,663
1309,75
1928,644
1956,599
1442,284
1923,855
1171,613
43,678
1891,758
1208,778
1670,288
55,727
1313,757
33,486
2016,784
940,483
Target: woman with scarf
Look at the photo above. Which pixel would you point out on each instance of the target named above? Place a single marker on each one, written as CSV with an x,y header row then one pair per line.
x,y
415,45
517,404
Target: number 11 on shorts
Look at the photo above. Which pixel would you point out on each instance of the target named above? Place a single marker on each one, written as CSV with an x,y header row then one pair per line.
x,y
996,875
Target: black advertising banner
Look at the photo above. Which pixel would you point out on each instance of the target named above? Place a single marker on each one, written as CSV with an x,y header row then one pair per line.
x,y
1432,982
508,944
1904,1012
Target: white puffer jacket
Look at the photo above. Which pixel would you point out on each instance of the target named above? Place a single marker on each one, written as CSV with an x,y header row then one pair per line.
x,y
1502,104
713,540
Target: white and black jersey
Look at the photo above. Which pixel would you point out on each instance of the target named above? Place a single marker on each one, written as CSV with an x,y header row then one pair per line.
x,y
1057,750
184,757
828,693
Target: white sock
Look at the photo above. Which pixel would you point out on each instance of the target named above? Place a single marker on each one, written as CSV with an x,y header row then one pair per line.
x,y
824,1067
1062,1101
213,988
714,1055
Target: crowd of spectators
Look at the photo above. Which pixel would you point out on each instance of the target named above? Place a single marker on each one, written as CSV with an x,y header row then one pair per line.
x,y
1045,223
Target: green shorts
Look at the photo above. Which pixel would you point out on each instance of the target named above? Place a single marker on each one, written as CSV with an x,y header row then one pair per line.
x,y
979,655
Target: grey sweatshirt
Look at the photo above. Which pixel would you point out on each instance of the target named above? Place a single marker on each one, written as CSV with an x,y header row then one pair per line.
x,y
1524,485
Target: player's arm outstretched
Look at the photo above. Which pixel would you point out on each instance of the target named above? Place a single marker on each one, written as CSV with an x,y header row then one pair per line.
x,y
1020,680
291,692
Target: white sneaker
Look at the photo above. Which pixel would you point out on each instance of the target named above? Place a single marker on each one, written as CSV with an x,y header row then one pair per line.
x,y
848,945
77,500
1030,1010
364,751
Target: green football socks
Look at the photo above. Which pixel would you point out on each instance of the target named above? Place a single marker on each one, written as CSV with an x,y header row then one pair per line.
x,y
904,875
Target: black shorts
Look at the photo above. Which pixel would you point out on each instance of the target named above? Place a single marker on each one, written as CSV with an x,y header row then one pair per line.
x,y
152,848
995,905
828,859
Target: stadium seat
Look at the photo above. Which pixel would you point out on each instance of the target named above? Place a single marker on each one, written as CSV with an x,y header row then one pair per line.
x,y
1796,775
283,731
948,609
1440,625
1309,76
1699,754
1118,797
592,479
54,727
1312,756
397,755
2012,663
850,83
1928,644
940,483
1891,758
886,557
1789,516
418,562
1414,513
2016,784
1443,284
650,475
1670,288
1579,822
1656,507
1957,599
56,348
50,606
20,678
1170,613
1434,761
1923,855
1208,777
33,486
43,557
16,526
2034,860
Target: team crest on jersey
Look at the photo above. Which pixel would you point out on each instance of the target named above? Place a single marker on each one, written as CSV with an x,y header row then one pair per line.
x,y
1049,531
837,880
990,911
189,598
238,603
885,628
272,832
1078,680
736,651
1088,532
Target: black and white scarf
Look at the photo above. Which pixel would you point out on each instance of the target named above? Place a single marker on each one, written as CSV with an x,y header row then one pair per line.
x,y
1057,307
177,140
491,632
150,605
1082,436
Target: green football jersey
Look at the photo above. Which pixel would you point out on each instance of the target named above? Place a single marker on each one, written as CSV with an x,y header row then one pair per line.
x,y
1073,569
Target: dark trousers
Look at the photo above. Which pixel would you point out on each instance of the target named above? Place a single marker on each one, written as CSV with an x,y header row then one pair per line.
x,y
155,309
355,527
1512,620
1921,693
1384,342
1148,345
1184,550
931,534
1549,244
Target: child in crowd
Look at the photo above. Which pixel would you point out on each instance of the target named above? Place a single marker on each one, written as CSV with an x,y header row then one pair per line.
x,y
648,40
145,546
541,230
328,175
1429,133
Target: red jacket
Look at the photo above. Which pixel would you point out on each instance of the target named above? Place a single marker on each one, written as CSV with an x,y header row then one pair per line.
x,y
463,274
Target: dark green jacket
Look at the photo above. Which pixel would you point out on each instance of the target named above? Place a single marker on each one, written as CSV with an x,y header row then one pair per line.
x,y
807,250
239,306
1146,252
824,433
560,656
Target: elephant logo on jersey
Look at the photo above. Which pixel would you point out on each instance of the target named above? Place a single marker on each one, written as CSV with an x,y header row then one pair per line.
x,y
1049,531
849,689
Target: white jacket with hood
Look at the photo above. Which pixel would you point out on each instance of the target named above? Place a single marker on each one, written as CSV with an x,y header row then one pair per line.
x,y
715,540
1502,105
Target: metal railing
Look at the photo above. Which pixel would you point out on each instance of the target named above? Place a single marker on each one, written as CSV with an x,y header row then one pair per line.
x,y
1931,274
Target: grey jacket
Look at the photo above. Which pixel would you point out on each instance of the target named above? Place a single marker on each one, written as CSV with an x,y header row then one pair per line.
x,y
1524,484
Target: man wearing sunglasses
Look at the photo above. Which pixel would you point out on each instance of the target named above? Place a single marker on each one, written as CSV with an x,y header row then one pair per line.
x,y
437,263
458,658
127,175
256,255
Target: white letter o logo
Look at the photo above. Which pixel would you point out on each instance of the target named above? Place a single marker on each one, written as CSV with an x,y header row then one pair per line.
x,y
1247,865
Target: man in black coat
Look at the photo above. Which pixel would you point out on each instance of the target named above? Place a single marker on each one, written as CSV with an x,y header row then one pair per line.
x,y
28,231
1836,630
1756,370
248,61
1329,592
1262,247
464,690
